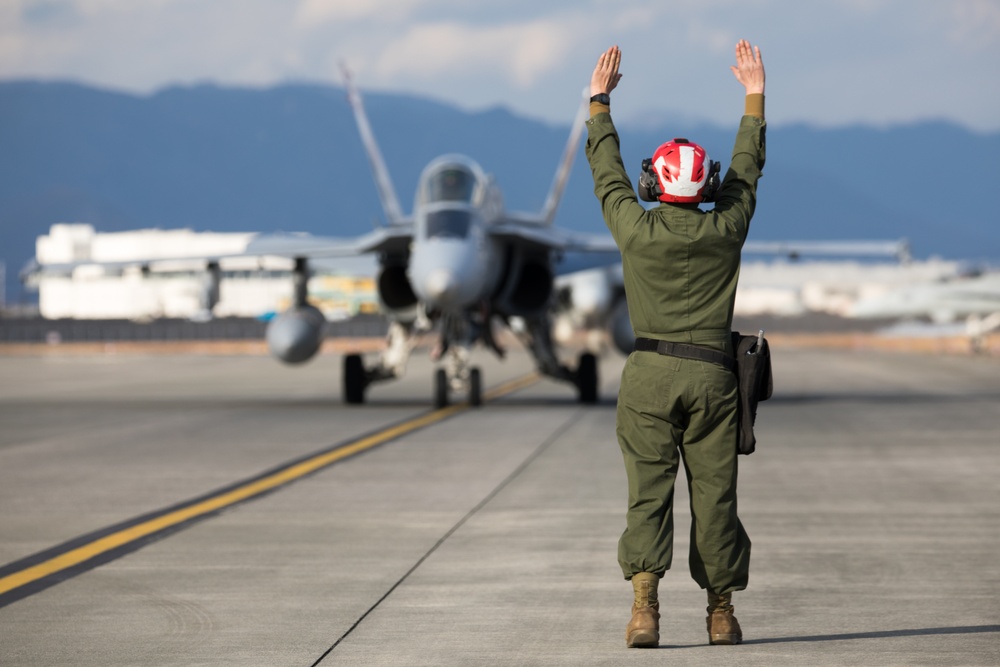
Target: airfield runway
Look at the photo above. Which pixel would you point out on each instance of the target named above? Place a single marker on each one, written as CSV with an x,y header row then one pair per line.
x,y
227,510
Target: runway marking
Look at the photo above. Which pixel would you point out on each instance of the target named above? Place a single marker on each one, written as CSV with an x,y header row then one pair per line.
x,y
37,572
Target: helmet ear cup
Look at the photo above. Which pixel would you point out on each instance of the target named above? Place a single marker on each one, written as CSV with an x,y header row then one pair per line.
x,y
712,183
649,184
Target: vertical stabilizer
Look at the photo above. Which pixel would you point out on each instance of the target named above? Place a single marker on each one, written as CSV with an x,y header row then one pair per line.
x,y
386,191
565,165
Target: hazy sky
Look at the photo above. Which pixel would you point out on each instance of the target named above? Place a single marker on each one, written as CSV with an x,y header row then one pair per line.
x,y
828,63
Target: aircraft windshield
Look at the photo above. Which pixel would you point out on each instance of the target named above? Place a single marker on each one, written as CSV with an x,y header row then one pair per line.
x,y
452,183
448,224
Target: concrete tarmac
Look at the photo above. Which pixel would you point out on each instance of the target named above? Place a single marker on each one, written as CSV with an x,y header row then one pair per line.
x,y
489,537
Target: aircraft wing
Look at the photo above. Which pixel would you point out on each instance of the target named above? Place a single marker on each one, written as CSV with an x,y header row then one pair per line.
x,y
513,230
899,249
396,238
33,269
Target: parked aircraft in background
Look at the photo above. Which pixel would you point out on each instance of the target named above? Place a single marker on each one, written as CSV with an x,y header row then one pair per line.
x,y
972,298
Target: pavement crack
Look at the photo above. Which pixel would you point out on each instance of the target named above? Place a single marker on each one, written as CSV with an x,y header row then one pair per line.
x,y
524,465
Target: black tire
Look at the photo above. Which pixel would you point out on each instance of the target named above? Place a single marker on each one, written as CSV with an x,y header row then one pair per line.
x,y
475,388
586,378
354,379
440,388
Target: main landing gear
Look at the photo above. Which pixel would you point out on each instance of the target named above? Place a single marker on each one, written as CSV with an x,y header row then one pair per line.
x,y
355,381
586,378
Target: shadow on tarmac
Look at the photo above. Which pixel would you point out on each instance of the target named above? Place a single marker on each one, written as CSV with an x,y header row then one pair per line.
x,y
879,398
883,634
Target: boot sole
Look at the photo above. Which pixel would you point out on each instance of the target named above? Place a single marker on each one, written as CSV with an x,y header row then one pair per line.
x,y
643,640
724,640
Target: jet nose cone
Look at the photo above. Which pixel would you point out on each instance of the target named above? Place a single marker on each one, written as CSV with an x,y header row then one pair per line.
x,y
440,287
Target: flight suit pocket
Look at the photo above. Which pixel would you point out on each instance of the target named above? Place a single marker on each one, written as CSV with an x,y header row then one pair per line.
x,y
720,384
648,380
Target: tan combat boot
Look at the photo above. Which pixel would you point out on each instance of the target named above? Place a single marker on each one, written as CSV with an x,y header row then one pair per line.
x,y
723,628
643,631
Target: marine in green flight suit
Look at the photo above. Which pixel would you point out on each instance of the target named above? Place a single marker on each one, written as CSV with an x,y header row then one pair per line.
x,y
681,265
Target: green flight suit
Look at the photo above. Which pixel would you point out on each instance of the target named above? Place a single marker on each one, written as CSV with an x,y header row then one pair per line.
x,y
681,266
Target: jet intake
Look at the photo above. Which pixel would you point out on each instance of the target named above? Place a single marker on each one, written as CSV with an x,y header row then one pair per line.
x,y
528,287
396,295
295,335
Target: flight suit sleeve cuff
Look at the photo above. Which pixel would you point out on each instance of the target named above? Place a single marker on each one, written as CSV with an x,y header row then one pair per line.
x,y
597,107
754,105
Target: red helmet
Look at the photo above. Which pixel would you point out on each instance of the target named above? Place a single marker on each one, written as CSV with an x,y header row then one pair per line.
x,y
682,170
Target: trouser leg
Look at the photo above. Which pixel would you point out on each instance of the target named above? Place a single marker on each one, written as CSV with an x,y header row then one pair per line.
x,y
719,556
649,448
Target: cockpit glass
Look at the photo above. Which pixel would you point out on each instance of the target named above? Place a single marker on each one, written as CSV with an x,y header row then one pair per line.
x,y
451,184
448,224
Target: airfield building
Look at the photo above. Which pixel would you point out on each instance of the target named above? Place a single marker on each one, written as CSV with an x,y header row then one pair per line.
x,y
127,275
124,275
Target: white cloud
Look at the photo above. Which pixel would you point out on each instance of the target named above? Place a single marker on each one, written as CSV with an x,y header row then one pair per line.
x,y
519,53
829,63
975,24
317,13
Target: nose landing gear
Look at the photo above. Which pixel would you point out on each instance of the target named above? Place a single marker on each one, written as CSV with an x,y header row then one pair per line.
x,y
469,380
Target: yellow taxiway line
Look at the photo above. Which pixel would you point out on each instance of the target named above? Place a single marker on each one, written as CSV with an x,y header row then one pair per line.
x,y
106,543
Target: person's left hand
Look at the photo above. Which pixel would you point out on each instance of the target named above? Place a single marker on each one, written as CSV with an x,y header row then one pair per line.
x,y
606,75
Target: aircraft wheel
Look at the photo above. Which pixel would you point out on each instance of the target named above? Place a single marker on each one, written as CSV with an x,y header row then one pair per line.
x,y
440,388
354,379
586,378
475,387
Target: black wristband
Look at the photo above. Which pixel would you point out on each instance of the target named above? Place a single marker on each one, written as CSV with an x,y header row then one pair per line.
x,y
601,98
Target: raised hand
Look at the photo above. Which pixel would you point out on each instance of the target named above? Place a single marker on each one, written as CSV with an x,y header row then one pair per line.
x,y
606,75
749,69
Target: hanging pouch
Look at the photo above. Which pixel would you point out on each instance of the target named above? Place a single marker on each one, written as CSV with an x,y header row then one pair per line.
x,y
753,371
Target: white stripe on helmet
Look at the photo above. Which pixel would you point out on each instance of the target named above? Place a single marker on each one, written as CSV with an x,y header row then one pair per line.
x,y
684,185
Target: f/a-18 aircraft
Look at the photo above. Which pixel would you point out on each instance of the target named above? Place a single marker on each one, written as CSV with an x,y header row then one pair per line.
x,y
459,264
455,266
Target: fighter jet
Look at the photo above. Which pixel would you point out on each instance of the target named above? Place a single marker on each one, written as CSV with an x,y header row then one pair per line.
x,y
456,267
451,271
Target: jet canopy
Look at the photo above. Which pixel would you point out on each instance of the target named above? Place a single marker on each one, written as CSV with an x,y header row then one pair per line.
x,y
451,178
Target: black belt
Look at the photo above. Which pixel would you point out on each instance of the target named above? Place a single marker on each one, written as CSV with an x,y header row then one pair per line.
x,y
685,351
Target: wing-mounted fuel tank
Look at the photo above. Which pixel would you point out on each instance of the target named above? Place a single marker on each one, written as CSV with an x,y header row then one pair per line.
x,y
295,335
527,283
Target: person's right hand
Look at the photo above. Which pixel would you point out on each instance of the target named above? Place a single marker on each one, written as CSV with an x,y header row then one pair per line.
x,y
749,69
606,76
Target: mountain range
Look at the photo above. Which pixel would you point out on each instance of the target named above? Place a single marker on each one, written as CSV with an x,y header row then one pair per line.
x,y
288,158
